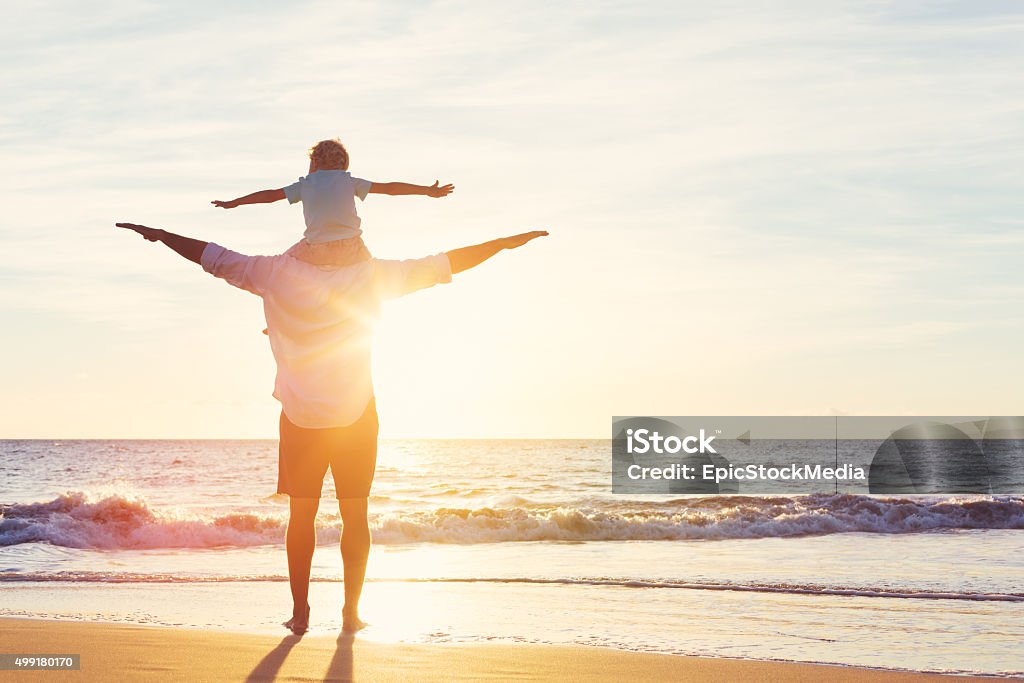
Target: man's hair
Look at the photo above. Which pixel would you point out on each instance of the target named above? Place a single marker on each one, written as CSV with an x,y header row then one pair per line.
x,y
330,154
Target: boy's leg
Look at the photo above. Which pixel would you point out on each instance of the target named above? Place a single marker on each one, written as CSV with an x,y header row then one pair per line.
x,y
336,253
355,550
300,541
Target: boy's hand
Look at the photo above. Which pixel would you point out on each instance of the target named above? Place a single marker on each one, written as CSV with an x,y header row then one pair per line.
x,y
442,191
225,205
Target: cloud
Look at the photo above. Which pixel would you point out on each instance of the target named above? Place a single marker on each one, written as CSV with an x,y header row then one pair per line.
x,y
819,179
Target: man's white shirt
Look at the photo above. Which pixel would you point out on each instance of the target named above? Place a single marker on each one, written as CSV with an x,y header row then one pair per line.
x,y
320,323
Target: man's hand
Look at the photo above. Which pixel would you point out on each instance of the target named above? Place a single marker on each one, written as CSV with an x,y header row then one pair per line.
x,y
442,191
185,247
225,205
470,257
151,234
516,241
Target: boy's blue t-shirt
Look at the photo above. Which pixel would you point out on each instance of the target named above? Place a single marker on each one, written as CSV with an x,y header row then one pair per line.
x,y
328,204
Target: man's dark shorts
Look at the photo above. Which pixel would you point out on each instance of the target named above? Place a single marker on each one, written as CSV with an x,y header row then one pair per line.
x,y
351,453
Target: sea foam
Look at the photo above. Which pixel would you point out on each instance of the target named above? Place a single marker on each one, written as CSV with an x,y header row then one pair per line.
x,y
77,520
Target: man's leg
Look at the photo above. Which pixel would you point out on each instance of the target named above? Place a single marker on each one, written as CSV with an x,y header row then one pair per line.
x,y
355,549
300,541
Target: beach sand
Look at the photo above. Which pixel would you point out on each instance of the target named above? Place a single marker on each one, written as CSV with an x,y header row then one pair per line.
x,y
133,653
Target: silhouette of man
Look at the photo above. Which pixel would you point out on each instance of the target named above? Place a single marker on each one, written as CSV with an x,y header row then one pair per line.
x,y
320,323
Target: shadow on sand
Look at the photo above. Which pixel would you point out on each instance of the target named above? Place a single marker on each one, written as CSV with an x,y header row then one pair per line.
x,y
340,668
271,663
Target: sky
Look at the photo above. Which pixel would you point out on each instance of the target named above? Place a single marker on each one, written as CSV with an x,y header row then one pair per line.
x,y
756,208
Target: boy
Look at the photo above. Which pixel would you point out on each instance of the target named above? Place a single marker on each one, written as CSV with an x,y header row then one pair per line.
x,y
332,236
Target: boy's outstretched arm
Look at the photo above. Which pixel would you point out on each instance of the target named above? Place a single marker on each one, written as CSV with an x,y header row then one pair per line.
x,y
186,247
436,190
261,197
470,257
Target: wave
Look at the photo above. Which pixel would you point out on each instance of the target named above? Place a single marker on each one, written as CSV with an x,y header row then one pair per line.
x,y
793,589
75,520
713,518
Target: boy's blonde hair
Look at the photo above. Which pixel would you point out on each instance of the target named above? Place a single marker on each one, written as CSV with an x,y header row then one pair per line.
x,y
330,154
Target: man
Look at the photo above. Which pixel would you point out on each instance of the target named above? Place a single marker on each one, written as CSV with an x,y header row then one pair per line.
x,y
320,325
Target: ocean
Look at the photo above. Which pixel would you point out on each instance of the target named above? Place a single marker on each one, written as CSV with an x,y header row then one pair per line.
x,y
516,540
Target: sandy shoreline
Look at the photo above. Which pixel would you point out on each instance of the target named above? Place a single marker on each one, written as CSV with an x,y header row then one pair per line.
x,y
135,653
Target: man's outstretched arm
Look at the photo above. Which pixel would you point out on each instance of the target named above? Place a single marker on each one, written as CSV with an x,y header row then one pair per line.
x,y
185,246
250,273
398,278
470,257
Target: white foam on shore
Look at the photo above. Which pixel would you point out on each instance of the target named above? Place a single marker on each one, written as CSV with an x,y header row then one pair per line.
x,y
793,589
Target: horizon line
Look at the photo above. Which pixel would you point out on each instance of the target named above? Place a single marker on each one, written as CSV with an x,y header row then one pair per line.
x,y
274,438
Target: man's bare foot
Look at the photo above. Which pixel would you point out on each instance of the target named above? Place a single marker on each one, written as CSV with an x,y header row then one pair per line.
x,y
298,625
352,624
